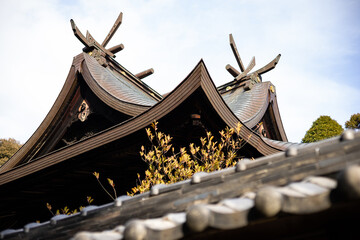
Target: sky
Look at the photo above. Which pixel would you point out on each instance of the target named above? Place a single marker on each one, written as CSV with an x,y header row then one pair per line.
x,y
319,42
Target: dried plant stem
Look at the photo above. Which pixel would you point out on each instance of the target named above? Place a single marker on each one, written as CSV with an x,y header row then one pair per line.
x,y
106,190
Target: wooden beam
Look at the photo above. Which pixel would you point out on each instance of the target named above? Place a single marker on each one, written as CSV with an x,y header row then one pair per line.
x,y
116,48
145,73
236,53
113,30
78,34
271,65
232,70
247,70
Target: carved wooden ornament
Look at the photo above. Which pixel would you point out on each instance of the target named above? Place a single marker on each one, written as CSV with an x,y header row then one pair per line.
x,y
83,111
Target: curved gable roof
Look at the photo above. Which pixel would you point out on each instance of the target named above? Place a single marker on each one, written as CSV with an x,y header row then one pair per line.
x,y
199,78
115,89
248,106
111,88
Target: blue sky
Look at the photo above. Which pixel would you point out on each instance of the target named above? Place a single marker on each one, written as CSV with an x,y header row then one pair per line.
x,y
318,73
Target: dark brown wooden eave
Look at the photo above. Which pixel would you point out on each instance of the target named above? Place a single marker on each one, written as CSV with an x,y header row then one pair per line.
x,y
198,78
37,139
277,120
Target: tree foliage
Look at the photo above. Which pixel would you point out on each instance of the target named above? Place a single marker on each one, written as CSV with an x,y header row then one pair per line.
x,y
322,128
354,122
7,148
165,165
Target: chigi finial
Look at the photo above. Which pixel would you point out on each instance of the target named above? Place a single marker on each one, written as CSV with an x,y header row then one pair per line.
x,y
99,51
96,49
245,71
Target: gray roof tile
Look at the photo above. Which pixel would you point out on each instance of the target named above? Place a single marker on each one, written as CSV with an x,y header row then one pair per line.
x,y
224,199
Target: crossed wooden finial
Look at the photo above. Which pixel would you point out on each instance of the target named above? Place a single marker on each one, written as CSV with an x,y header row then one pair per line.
x,y
99,51
245,71
91,43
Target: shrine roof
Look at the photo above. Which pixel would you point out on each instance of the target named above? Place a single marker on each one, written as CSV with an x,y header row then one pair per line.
x,y
198,79
116,87
249,106
246,101
117,83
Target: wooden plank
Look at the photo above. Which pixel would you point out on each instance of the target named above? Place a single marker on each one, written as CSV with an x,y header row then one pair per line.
x,y
145,73
236,53
78,34
116,48
271,65
113,30
232,70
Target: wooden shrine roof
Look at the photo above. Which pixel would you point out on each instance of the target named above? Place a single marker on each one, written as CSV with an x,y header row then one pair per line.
x,y
248,106
117,88
94,74
250,98
198,80
247,98
251,105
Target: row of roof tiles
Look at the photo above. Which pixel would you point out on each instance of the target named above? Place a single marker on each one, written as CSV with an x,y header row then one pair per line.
x,y
285,182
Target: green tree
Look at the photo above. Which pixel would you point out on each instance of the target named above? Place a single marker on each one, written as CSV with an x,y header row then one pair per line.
x,y
7,148
354,122
324,127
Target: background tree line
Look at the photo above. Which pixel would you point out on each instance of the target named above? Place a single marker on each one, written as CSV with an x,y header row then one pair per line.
x,y
325,127
8,147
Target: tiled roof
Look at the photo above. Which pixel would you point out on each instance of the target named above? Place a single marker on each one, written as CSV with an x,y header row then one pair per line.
x,y
252,104
128,96
249,106
300,181
116,84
